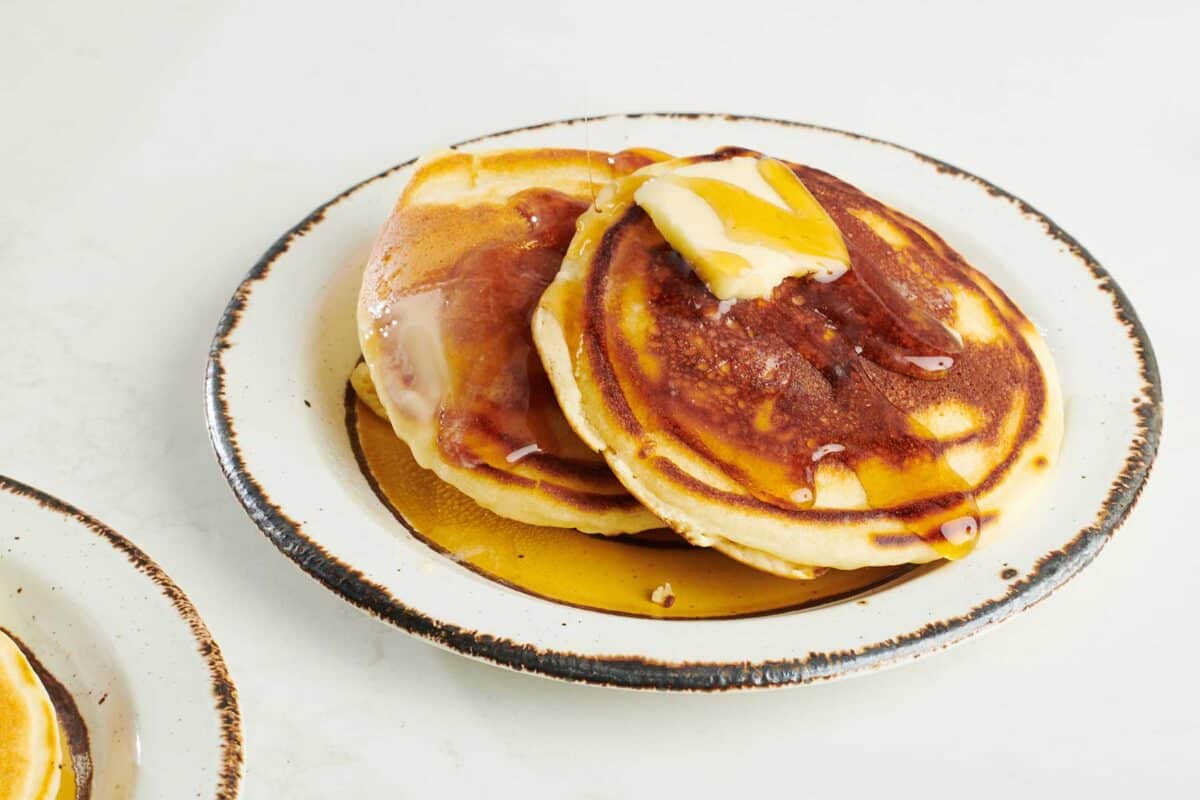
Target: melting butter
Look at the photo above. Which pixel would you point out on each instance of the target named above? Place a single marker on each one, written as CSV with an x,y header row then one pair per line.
x,y
744,224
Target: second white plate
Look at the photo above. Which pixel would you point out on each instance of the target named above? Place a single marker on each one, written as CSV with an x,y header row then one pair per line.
x,y
148,683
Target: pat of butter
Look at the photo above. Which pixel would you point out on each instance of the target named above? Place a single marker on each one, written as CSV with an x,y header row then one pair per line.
x,y
744,224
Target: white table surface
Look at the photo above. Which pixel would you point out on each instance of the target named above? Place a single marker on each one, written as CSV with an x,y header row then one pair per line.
x,y
149,152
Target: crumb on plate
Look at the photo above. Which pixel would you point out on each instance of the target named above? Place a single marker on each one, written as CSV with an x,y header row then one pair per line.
x,y
663,595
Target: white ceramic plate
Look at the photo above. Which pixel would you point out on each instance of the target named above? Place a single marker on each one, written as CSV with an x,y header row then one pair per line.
x,y
286,344
106,622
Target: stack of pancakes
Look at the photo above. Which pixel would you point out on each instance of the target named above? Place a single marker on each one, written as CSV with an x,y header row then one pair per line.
x,y
537,343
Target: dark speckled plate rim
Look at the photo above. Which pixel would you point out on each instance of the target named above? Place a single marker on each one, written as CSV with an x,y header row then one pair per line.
x,y
632,671
229,773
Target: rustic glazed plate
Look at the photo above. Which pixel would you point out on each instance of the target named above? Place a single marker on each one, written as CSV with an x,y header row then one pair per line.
x,y
276,407
140,687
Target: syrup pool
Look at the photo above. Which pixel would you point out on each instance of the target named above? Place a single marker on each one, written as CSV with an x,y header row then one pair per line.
x,y
612,574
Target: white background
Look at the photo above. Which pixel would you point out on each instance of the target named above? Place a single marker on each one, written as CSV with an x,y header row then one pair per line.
x,y
149,152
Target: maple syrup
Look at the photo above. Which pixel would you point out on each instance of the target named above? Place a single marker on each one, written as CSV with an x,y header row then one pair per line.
x,y
613,574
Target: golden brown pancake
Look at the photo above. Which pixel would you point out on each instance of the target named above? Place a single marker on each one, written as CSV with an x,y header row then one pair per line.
x,y
443,321
30,748
880,418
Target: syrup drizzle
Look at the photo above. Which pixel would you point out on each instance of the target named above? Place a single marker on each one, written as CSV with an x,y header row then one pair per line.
x,y
718,361
834,322
500,408
459,350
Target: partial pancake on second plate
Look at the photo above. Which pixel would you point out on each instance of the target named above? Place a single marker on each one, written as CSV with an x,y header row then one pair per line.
x,y
808,429
443,320
30,750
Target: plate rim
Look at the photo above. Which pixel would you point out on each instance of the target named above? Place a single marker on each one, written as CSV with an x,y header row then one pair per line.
x,y
636,672
222,688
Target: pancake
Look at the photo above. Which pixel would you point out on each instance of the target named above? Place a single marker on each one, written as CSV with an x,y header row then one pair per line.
x,y
30,749
893,414
443,322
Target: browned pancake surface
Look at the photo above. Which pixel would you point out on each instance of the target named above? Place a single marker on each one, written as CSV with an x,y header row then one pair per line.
x,y
749,405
